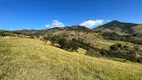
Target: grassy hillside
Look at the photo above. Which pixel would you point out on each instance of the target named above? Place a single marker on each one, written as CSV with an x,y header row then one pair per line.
x,y
30,59
138,29
92,38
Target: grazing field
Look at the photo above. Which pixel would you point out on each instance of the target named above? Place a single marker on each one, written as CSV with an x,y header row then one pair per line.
x,y
30,59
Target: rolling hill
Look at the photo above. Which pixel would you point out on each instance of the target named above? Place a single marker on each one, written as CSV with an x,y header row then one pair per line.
x,y
30,59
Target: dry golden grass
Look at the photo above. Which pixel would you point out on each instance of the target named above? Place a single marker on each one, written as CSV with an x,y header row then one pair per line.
x,y
30,59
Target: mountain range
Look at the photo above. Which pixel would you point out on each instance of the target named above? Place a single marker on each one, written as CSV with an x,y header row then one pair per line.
x,y
122,28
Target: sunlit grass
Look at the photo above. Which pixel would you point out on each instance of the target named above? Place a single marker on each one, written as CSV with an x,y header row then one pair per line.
x,y
30,59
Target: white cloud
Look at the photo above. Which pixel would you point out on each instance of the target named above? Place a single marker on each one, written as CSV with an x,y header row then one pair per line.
x,y
108,20
55,23
91,23
47,26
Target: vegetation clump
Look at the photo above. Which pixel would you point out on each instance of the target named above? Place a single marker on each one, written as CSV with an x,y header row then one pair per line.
x,y
118,51
125,38
2,33
63,43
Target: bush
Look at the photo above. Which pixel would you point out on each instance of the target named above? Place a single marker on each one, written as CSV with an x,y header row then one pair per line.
x,y
32,37
72,45
2,33
93,52
55,39
116,46
111,36
63,43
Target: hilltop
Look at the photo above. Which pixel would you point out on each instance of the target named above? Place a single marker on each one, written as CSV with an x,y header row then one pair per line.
x,y
122,28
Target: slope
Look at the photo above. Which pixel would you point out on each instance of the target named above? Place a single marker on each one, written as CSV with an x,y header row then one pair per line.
x,y
29,59
122,28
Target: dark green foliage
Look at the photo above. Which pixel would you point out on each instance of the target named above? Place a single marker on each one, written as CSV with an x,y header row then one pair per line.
x,y
117,51
136,41
93,52
55,39
81,43
136,48
116,46
70,45
111,36
63,43
124,52
126,38
2,33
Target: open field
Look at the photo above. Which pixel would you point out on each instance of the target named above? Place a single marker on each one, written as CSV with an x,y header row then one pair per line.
x,y
30,59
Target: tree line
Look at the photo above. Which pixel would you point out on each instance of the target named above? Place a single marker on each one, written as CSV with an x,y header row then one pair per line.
x,y
125,38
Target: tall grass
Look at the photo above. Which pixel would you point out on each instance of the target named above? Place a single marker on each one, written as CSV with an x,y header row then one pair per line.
x,y
30,59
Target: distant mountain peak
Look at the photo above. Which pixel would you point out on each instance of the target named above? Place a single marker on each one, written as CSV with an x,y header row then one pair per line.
x,y
117,26
116,21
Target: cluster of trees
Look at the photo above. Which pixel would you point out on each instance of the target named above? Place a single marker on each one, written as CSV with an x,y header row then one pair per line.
x,y
67,44
126,38
117,51
6,33
63,43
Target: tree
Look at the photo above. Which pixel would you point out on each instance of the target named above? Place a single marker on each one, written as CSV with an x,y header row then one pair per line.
x,y
46,38
63,43
72,45
2,33
54,39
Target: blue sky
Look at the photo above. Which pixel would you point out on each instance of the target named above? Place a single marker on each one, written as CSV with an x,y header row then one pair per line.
x,y
39,14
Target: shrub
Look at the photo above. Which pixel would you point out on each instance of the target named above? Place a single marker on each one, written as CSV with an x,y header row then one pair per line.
x,y
116,46
63,43
2,33
72,45
32,37
93,52
55,39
